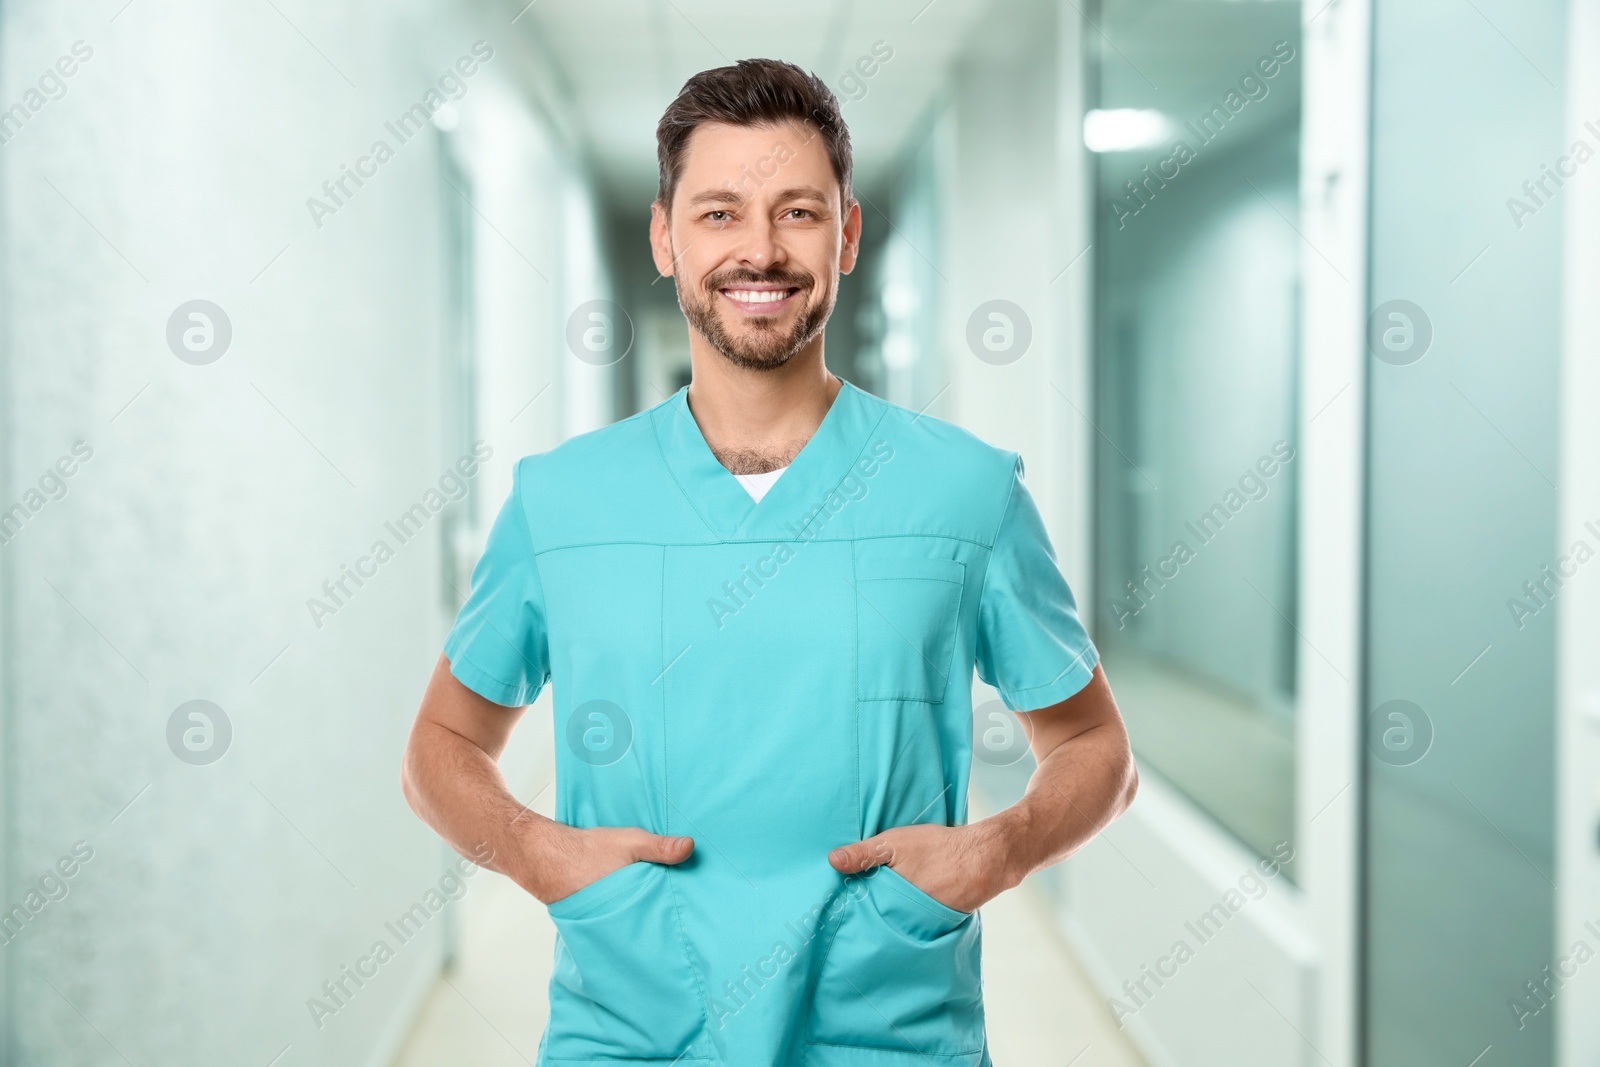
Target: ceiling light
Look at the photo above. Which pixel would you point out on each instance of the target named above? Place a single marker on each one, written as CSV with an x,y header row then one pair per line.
x,y
1125,129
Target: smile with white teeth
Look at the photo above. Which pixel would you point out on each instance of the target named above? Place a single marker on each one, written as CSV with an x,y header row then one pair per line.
x,y
757,296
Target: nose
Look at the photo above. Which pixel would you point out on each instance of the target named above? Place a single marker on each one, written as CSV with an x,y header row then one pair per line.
x,y
760,249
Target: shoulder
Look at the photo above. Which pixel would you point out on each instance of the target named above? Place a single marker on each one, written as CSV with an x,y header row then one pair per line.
x,y
584,461
967,460
596,485
935,440
949,469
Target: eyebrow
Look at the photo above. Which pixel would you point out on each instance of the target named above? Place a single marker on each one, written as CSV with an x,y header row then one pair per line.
x,y
729,196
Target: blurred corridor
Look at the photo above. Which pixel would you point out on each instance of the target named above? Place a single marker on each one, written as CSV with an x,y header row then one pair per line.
x,y
1289,308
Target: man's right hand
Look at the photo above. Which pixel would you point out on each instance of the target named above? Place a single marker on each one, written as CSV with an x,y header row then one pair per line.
x,y
451,778
570,859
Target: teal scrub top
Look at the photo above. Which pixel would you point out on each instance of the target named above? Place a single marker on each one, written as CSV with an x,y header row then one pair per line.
x,y
773,679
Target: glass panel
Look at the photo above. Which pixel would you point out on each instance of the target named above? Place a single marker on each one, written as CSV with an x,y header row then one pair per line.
x,y
1460,951
1196,309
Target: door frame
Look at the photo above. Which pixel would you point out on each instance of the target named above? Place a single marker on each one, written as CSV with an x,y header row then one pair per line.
x,y
1335,181
1578,606
1311,935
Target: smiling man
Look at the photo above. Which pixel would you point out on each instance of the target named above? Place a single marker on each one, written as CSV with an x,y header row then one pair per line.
x,y
759,605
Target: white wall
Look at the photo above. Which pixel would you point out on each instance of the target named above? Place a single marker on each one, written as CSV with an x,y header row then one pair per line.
x,y
1014,222
220,497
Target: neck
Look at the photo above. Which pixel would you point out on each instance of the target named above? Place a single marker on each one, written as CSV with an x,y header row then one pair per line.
x,y
757,421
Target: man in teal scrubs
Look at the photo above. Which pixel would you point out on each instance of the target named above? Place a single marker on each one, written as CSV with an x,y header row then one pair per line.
x,y
763,707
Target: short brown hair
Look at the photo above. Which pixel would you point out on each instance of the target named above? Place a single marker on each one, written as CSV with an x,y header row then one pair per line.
x,y
751,92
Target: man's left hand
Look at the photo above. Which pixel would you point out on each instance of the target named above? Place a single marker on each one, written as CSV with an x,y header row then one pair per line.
x,y
962,867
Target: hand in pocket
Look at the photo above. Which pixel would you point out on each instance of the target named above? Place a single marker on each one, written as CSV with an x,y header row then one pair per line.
x,y
574,859
961,867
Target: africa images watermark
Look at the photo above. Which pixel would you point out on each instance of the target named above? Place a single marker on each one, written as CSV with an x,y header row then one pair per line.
x,y
452,486
1205,927
766,168
1565,169
1252,86
1552,976
738,592
853,83
52,486
47,88
1254,484
338,991
1540,592
451,85
49,888
736,994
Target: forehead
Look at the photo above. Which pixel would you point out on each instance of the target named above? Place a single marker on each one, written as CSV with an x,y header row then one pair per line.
x,y
750,160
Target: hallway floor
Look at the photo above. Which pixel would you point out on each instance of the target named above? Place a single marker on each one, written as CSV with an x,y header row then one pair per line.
x,y
489,1010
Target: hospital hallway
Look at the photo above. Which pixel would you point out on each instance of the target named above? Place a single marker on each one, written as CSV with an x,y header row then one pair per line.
x,y
1287,307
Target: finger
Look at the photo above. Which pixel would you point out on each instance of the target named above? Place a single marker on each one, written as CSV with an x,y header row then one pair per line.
x,y
873,852
654,848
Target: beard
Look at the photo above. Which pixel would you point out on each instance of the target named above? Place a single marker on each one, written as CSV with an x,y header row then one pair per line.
x,y
755,343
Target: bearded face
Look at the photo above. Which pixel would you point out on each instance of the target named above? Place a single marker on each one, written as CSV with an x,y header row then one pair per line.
x,y
757,321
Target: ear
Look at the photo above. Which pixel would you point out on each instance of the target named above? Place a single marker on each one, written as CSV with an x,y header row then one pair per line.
x,y
851,249
661,240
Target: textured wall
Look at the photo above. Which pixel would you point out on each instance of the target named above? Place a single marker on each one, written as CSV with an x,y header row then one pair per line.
x,y
220,497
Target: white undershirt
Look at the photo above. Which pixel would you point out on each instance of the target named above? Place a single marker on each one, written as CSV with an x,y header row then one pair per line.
x,y
758,484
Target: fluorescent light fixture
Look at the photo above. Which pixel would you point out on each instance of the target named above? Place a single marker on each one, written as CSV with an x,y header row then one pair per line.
x,y
1125,129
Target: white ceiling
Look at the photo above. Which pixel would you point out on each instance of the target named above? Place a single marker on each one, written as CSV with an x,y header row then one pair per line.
x,y
623,61
620,62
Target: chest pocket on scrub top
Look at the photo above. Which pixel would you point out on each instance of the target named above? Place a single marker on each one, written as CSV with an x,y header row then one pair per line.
x,y
906,614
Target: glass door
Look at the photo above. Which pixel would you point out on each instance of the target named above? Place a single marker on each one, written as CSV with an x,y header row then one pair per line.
x,y
1197,326
1463,539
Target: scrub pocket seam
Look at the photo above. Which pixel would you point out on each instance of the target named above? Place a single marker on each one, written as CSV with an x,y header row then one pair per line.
x,y
877,918
586,909
689,959
666,796
838,924
919,569
597,915
924,900
897,1051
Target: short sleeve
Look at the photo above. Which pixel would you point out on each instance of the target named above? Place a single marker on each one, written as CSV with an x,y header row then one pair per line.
x,y
497,646
1032,647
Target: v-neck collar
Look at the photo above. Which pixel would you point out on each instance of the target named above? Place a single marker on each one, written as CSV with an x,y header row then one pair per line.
x,y
723,503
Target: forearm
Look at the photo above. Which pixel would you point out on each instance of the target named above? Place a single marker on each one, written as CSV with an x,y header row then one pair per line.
x,y
1076,791
457,789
